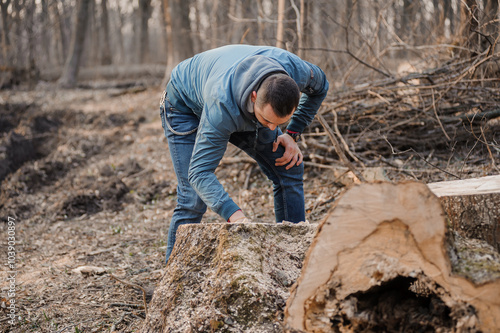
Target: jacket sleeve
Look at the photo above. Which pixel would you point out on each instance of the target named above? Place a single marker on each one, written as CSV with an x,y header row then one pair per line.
x,y
211,143
313,95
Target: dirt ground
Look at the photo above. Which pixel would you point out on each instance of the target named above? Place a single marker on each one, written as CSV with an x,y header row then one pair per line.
x,y
87,181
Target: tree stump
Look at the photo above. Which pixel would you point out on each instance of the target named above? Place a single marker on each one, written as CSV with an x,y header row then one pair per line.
x,y
229,277
382,262
473,207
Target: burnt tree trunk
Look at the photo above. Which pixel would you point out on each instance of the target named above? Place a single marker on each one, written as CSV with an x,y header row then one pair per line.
x,y
382,261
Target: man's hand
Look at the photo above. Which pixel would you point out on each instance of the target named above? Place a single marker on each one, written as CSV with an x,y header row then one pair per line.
x,y
292,156
238,217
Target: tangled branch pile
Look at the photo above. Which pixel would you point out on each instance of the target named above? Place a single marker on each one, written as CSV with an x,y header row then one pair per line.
x,y
446,120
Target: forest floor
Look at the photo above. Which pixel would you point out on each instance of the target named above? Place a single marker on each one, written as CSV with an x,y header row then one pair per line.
x,y
88,181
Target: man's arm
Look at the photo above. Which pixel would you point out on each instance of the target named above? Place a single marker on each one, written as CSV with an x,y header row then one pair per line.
x,y
313,95
211,143
314,89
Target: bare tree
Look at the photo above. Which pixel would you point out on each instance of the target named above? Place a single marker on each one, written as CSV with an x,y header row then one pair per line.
x,y
4,5
68,78
182,38
144,13
280,35
59,37
118,32
170,42
45,28
106,58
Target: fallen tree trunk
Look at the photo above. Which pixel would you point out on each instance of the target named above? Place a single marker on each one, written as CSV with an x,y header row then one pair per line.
x,y
229,277
473,207
381,261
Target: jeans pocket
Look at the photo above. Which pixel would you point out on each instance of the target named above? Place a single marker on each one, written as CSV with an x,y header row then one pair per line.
x,y
179,123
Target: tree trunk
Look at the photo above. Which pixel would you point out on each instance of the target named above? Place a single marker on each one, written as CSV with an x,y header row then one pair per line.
x,y
448,13
31,66
93,47
228,277
106,57
119,33
381,262
183,41
170,42
214,24
144,13
18,55
473,207
71,68
470,26
46,29
4,4
280,35
59,38
236,32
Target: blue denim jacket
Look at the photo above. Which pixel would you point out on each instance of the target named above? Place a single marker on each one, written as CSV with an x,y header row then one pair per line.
x,y
216,85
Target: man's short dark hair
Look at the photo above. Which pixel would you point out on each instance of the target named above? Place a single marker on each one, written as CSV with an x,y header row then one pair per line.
x,y
281,92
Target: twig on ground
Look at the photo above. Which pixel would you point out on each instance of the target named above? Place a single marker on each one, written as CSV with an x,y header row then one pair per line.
x,y
116,323
134,286
128,305
73,325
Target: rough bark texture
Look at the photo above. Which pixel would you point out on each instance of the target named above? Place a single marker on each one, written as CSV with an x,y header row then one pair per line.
x,y
229,278
380,262
72,66
473,207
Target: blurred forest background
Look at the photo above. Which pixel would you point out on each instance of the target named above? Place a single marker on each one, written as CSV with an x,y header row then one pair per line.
x,y
407,77
350,39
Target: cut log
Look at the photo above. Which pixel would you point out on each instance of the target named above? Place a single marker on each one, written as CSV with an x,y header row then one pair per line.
x,y
229,277
381,262
473,207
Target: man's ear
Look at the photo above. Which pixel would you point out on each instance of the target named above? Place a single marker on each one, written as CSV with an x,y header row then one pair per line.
x,y
253,96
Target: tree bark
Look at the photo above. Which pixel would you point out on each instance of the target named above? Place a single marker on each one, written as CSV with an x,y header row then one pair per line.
x,y
228,277
473,207
69,76
46,29
144,13
59,38
280,35
4,4
119,33
170,42
106,57
183,41
381,261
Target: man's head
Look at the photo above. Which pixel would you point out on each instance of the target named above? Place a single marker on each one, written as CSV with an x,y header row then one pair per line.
x,y
276,100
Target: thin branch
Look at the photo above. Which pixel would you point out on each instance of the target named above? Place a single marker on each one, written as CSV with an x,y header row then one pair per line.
x,y
437,117
337,147
134,286
422,158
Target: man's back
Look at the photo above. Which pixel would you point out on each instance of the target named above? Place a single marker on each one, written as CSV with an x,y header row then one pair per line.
x,y
195,77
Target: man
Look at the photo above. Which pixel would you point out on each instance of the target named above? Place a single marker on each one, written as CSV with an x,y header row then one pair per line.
x,y
239,94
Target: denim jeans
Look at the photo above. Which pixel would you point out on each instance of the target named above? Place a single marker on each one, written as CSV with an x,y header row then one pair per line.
x,y
180,131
